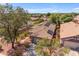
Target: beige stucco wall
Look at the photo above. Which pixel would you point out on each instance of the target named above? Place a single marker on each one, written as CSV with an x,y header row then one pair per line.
x,y
70,44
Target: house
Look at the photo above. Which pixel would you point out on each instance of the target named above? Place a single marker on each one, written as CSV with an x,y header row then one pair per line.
x,y
37,16
69,33
44,30
44,17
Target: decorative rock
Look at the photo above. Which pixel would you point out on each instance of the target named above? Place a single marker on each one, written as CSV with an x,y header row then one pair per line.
x,y
73,53
26,40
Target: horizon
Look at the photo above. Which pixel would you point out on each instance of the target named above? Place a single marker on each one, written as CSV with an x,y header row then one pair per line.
x,y
48,7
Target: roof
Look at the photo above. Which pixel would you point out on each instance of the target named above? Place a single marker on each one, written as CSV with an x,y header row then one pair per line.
x,y
43,30
69,29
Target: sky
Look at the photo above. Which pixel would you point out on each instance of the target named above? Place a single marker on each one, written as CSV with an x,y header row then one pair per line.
x,y
49,7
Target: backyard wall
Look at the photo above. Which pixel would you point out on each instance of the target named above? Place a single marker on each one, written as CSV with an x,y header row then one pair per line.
x,y
71,44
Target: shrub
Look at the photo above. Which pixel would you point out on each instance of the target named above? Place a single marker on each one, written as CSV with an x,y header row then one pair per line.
x,y
63,51
40,45
66,50
46,51
55,43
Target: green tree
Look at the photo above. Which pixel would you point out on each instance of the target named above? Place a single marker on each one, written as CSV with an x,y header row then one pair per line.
x,y
12,23
55,19
48,14
58,19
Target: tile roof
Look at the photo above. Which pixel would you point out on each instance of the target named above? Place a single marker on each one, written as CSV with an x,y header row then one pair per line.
x,y
69,29
42,31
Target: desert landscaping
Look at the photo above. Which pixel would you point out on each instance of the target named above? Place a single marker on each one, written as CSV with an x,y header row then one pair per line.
x,y
38,34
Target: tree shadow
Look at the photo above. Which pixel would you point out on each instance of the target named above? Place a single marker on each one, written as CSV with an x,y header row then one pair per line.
x,y
1,50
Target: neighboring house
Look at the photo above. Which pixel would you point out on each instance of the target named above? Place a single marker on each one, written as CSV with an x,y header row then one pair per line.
x,y
44,30
69,33
44,17
36,17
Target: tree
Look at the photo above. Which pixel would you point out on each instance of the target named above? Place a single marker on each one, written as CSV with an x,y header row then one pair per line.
x,y
66,17
54,44
54,18
58,19
12,23
48,14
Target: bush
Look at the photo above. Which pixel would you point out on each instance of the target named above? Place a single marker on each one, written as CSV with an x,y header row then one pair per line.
x,y
41,44
52,45
63,51
55,43
66,50
46,51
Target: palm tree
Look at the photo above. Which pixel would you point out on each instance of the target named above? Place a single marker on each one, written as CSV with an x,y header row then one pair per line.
x,y
57,20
